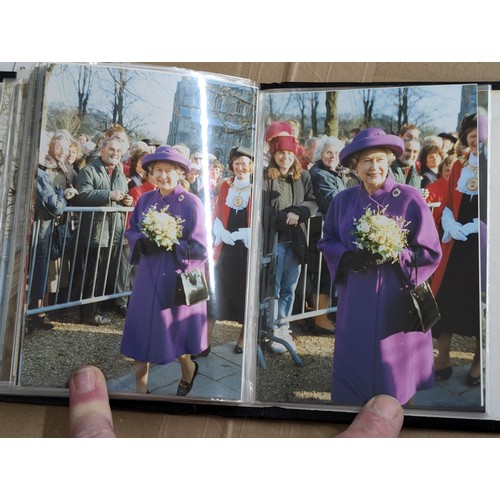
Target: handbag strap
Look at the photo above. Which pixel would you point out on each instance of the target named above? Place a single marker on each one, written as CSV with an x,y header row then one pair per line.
x,y
179,263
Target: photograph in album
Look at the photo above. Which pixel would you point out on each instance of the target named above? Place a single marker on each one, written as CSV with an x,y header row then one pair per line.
x,y
374,254
125,265
249,248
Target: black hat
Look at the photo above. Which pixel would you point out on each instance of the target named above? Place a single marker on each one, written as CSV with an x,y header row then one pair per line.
x,y
149,142
238,151
468,122
450,137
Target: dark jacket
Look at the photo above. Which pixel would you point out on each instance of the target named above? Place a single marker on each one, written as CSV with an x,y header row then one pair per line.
x,y
397,172
94,187
274,220
428,177
326,185
50,201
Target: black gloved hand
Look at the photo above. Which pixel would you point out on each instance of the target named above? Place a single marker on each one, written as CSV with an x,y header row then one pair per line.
x,y
359,260
148,247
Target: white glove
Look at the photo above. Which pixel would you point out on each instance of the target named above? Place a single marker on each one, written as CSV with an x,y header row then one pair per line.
x,y
222,234
452,229
471,227
243,234
457,232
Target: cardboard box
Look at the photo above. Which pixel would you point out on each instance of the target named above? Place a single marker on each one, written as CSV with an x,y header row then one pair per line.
x,y
38,420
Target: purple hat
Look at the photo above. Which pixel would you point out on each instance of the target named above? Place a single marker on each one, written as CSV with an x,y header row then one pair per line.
x,y
371,138
166,153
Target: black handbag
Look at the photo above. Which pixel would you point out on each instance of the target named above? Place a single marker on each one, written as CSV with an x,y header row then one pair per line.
x,y
191,287
423,311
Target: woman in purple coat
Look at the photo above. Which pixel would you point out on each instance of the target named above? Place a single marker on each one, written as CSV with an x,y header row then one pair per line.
x,y
374,354
157,330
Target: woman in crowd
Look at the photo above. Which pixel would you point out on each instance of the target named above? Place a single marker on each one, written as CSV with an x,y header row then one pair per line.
x,y
75,155
288,202
232,233
374,352
327,183
157,329
50,204
137,174
63,178
438,190
430,158
456,282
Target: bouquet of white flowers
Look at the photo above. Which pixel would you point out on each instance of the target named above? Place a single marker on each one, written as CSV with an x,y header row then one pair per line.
x,y
381,234
161,227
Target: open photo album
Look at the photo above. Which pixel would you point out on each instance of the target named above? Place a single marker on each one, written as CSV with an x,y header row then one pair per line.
x,y
204,239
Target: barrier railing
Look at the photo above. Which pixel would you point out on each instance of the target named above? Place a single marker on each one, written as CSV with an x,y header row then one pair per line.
x,y
309,286
67,268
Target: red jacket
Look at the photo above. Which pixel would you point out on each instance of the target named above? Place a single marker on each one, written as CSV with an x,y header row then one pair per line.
x,y
453,203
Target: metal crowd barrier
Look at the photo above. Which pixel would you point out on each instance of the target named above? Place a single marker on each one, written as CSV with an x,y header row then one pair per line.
x,y
269,304
66,281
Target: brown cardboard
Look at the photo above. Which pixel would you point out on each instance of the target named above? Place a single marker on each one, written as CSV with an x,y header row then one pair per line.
x,y
29,420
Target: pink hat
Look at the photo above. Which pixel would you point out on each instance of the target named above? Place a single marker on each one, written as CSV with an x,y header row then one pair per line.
x,y
277,129
283,143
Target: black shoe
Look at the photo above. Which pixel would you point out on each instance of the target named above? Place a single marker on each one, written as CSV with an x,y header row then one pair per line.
x,y
319,330
202,354
237,349
98,320
444,373
184,387
472,381
41,323
122,311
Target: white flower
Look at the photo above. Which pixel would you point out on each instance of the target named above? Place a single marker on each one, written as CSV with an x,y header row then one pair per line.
x,y
381,234
161,227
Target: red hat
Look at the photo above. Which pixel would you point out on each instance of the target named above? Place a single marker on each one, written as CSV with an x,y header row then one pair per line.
x,y
277,129
283,143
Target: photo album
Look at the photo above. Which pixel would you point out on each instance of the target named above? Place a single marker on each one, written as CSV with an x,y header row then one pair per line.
x,y
280,250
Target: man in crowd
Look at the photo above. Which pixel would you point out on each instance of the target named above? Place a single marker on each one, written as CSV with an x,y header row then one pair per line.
x,y
403,169
101,183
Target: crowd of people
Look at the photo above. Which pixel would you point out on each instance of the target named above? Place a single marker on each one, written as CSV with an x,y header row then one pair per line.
x,y
143,175
313,190
431,183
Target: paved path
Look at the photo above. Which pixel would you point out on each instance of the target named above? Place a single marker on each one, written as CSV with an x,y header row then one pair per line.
x,y
219,377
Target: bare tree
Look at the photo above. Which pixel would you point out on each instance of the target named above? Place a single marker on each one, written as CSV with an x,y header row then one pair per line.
x,y
83,83
314,102
368,99
301,99
120,77
274,112
332,114
402,106
407,109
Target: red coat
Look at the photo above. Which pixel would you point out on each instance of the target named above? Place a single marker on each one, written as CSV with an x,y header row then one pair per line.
x,y
438,192
222,211
454,198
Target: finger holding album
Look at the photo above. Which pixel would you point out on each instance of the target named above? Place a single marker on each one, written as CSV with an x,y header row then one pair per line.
x,y
89,410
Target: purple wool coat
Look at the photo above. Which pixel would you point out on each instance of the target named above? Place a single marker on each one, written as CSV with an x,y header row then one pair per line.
x,y
372,353
156,330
